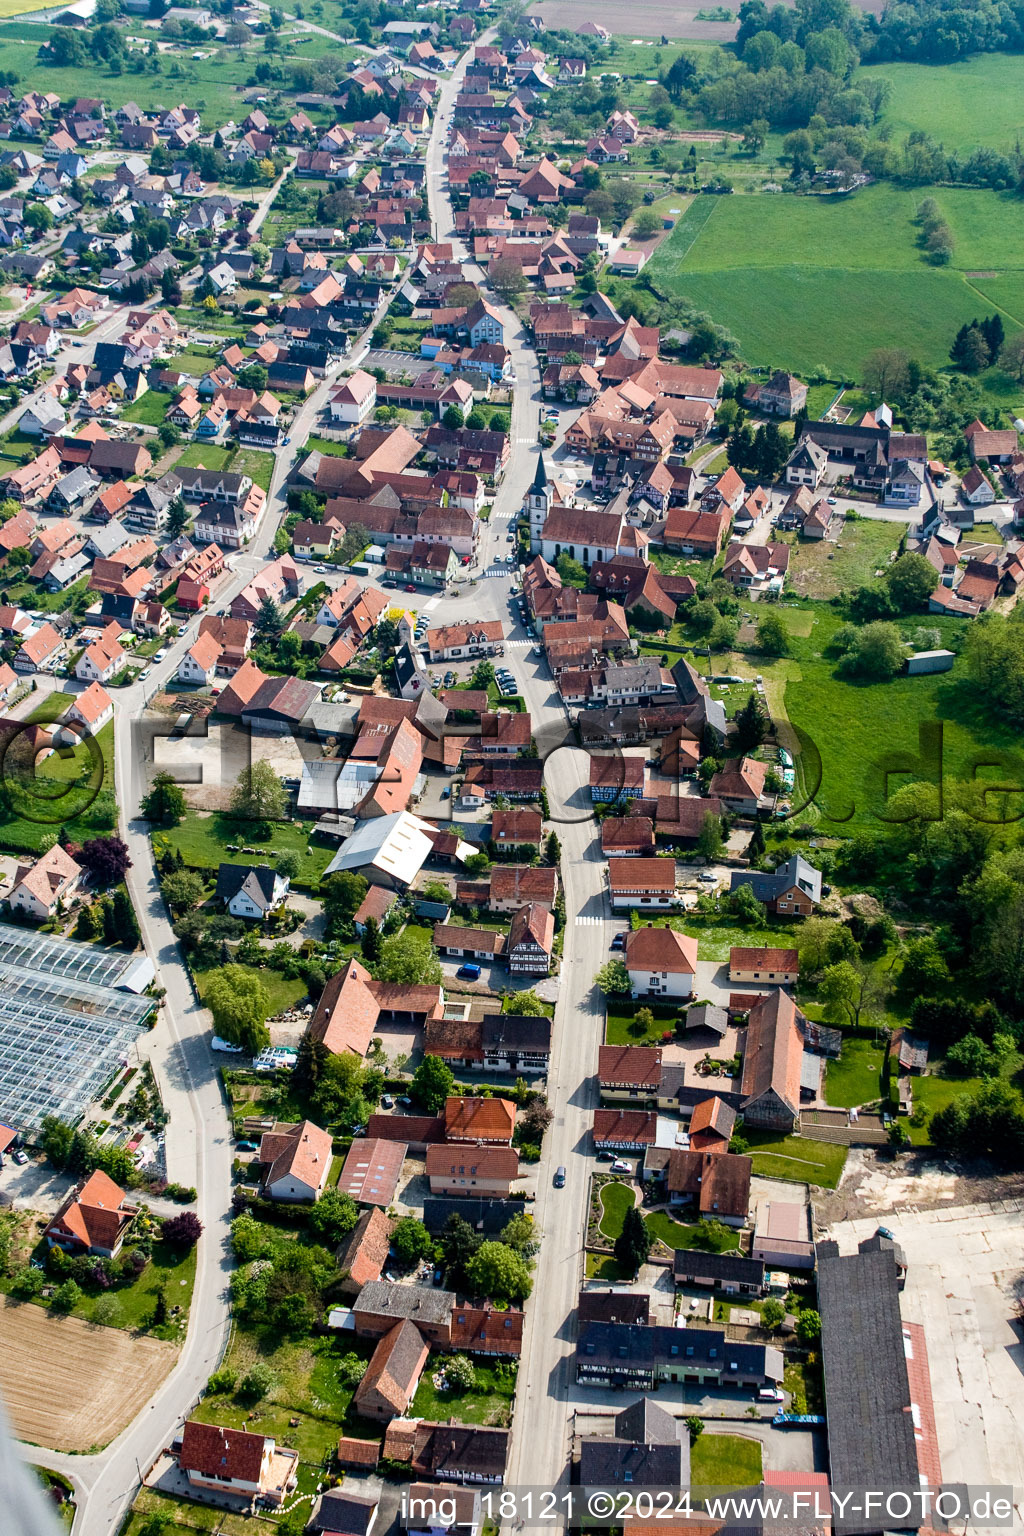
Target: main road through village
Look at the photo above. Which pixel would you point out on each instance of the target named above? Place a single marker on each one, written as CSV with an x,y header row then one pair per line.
x,y
198,1135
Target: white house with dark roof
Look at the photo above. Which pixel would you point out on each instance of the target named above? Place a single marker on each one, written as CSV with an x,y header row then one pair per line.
x,y
251,891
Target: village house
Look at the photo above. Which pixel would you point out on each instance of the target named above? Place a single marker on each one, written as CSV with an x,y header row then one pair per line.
x,y
779,967
794,890
389,1382
235,1461
478,1170
295,1162
490,1121
660,961
530,942
644,884
93,1219
40,888
251,891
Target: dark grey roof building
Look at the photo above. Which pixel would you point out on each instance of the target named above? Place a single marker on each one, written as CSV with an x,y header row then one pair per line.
x,y
613,1306
725,1271
766,887
488,1217
640,1357
867,1389
649,1447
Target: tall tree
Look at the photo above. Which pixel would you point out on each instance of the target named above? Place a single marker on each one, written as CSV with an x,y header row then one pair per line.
x,y
633,1244
751,724
258,794
432,1082
240,1004
165,802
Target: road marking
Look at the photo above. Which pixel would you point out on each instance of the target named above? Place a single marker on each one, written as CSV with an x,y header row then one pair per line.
x,y
519,644
589,922
431,604
497,570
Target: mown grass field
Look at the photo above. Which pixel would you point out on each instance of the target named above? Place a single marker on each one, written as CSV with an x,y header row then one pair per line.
x,y
798,279
963,105
795,1157
855,1078
821,568
724,1460
862,730
205,841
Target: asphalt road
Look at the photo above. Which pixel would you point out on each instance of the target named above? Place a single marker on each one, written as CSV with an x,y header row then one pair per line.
x,y
541,1427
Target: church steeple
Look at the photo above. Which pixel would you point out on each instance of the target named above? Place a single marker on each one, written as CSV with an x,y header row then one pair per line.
x,y
540,479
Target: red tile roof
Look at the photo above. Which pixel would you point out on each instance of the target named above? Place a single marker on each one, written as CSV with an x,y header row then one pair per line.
x,y
763,959
347,1012
479,1119
372,1170
213,1452
629,1066
659,949
619,1126
628,875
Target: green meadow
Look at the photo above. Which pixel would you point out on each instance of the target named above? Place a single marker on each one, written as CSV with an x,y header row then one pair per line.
x,y
809,282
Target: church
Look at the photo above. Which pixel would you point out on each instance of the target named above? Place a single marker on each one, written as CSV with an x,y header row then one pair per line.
x,y
558,526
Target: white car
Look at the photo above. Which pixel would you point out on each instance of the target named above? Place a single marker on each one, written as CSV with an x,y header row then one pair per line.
x,y
621,1166
160,654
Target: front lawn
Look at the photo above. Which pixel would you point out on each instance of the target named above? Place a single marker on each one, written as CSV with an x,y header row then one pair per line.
x,y
698,1234
206,841
488,1402
725,1461
206,456
150,409
601,1267
171,1269
622,1029
795,1157
316,444
616,1199
284,992
717,935
257,463
855,1078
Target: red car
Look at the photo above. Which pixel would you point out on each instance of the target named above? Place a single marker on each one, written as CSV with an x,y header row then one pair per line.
x,y
466,559
410,586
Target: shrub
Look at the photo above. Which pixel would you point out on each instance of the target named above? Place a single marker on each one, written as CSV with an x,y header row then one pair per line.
x,y
258,1380
222,1380
184,1230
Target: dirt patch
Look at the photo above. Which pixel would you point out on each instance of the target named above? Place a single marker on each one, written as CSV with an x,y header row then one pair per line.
x,y
877,1184
69,1385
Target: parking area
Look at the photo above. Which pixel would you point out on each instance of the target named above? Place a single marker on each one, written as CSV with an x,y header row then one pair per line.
x,y
965,1274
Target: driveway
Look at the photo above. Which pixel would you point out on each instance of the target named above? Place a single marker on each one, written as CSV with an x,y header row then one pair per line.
x,y
34,1187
